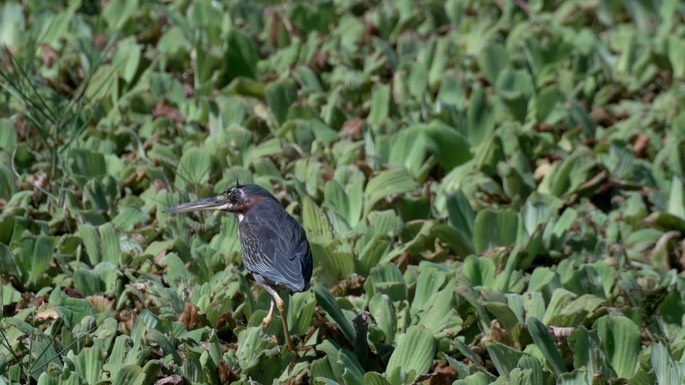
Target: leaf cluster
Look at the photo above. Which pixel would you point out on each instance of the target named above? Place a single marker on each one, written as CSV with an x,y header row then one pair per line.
x,y
493,191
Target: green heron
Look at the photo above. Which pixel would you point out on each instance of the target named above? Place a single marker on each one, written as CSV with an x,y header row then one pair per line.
x,y
275,246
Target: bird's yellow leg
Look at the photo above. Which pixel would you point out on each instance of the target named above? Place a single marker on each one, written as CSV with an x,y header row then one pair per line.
x,y
266,322
281,309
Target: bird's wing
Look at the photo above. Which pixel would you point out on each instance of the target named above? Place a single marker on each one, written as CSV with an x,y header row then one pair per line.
x,y
278,248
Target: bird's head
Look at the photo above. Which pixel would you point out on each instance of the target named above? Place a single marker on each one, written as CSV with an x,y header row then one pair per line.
x,y
239,199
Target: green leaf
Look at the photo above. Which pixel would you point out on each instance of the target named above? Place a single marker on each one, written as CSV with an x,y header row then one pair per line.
x,y
8,263
493,60
87,282
514,87
301,312
620,340
451,148
8,294
337,198
544,342
479,270
163,342
380,104
408,149
127,59
87,363
36,257
438,314
279,96
326,300
90,238
109,244
315,222
676,198
129,217
8,134
546,101
12,24
412,357
89,164
495,228
386,278
129,375
504,315
372,253
665,369
480,118
374,378
387,183
503,357
117,12
429,282
240,57
193,169
383,312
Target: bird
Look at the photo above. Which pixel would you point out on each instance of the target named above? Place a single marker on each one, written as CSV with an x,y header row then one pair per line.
x,y
275,246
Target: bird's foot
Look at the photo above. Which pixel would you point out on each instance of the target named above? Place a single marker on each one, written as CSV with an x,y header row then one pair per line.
x,y
305,348
291,346
266,322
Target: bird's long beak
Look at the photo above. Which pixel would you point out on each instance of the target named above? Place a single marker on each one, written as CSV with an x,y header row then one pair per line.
x,y
213,203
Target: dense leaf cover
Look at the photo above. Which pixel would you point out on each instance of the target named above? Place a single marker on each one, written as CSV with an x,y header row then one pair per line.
x,y
494,191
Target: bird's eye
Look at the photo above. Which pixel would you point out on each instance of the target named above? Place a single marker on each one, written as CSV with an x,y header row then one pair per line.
x,y
233,196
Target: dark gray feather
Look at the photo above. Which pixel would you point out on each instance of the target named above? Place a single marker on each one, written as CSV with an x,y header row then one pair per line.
x,y
275,246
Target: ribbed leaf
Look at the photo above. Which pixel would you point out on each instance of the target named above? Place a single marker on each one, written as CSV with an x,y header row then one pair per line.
x,y
129,217
386,278
577,377
117,12
160,339
620,341
88,363
7,185
326,300
315,222
109,244
7,262
241,56
374,378
429,282
385,184
279,96
585,344
193,169
87,282
412,357
503,357
89,164
129,375
301,312
42,254
90,238
380,104
664,367
372,253
492,60
494,228
504,315
546,345
383,312
436,315
479,270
